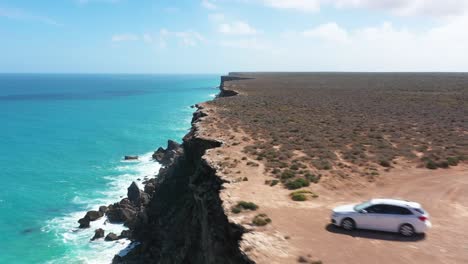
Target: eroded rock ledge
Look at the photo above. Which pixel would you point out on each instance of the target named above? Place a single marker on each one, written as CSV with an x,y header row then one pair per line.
x,y
184,222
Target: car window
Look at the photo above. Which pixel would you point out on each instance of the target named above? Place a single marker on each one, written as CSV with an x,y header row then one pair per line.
x,y
397,210
376,209
419,210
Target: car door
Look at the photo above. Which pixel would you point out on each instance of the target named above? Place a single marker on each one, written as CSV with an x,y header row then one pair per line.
x,y
397,216
372,218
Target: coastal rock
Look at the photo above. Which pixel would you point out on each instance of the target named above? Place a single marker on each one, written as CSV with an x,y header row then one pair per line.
x,y
98,233
167,156
133,193
84,222
149,188
111,237
103,209
125,234
131,158
123,212
94,215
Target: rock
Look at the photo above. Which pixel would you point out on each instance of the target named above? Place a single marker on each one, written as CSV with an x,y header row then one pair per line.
x,y
159,154
98,233
84,222
103,209
149,188
111,237
167,156
125,234
172,145
94,215
131,158
123,212
133,193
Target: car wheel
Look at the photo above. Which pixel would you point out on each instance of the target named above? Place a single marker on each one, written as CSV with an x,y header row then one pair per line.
x,y
348,224
407,230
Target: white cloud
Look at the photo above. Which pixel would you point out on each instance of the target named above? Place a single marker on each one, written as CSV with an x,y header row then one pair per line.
x,y
329,32
125,37
302,5
237,28
208,4
187,38
436,8
19,14
216,17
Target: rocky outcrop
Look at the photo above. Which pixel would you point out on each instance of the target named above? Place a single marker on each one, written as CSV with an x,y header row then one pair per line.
x,y
168,155
131,158
89,217
184,221
111,237
98,233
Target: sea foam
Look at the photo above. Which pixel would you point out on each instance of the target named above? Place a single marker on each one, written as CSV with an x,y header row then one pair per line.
x,y
65,228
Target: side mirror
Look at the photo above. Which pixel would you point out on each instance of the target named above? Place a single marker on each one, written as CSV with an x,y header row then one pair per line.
x,y
363,211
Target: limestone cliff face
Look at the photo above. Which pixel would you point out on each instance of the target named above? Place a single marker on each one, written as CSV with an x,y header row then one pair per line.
x,y
185,222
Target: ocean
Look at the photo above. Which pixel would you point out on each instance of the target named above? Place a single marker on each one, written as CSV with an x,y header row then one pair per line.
x,y
62,141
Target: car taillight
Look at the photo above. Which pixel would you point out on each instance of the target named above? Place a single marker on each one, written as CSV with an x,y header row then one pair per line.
x,y
422,218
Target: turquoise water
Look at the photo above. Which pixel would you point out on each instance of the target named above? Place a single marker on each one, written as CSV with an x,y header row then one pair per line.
x,y
62,140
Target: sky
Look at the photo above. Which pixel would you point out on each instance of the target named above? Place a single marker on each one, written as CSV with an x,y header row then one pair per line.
x,y
219,36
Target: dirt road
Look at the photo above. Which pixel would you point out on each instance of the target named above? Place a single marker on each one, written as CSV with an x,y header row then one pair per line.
x,y
443,193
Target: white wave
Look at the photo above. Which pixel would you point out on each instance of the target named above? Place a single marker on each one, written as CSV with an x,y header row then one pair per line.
x,y
65,229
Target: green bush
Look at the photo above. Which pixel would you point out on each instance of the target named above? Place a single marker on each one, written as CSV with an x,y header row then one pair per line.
x,y
287,174
261,220
311,177
443,164
385,163
236,210
298,197
247,205
452,161
274,182
297,183
430,164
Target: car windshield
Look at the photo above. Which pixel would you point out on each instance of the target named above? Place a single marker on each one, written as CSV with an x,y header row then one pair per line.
x,y
362,206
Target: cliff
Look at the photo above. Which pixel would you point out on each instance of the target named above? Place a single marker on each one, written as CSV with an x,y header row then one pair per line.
x,y
184,222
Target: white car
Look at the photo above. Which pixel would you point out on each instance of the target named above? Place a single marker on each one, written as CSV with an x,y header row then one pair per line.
x,y
390,215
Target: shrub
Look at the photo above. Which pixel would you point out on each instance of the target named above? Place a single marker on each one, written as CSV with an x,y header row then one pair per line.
x,y
245,179
247,205
297,183
298,197
302,195
430,164
294,167
452,161
236,210
242,205
274,182
443,164
287,174
384,163
261,220
311,177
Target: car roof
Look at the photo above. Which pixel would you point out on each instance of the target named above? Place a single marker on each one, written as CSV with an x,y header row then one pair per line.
x,y
396,202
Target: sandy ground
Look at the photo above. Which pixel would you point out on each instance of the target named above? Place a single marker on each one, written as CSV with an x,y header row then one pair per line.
x,y
302,229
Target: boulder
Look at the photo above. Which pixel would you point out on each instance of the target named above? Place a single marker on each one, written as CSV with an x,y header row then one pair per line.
x,y
98,233
167,156
111,237
94,215
133,193
123,212
149,188
131,158
103,209
125,234
84,222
